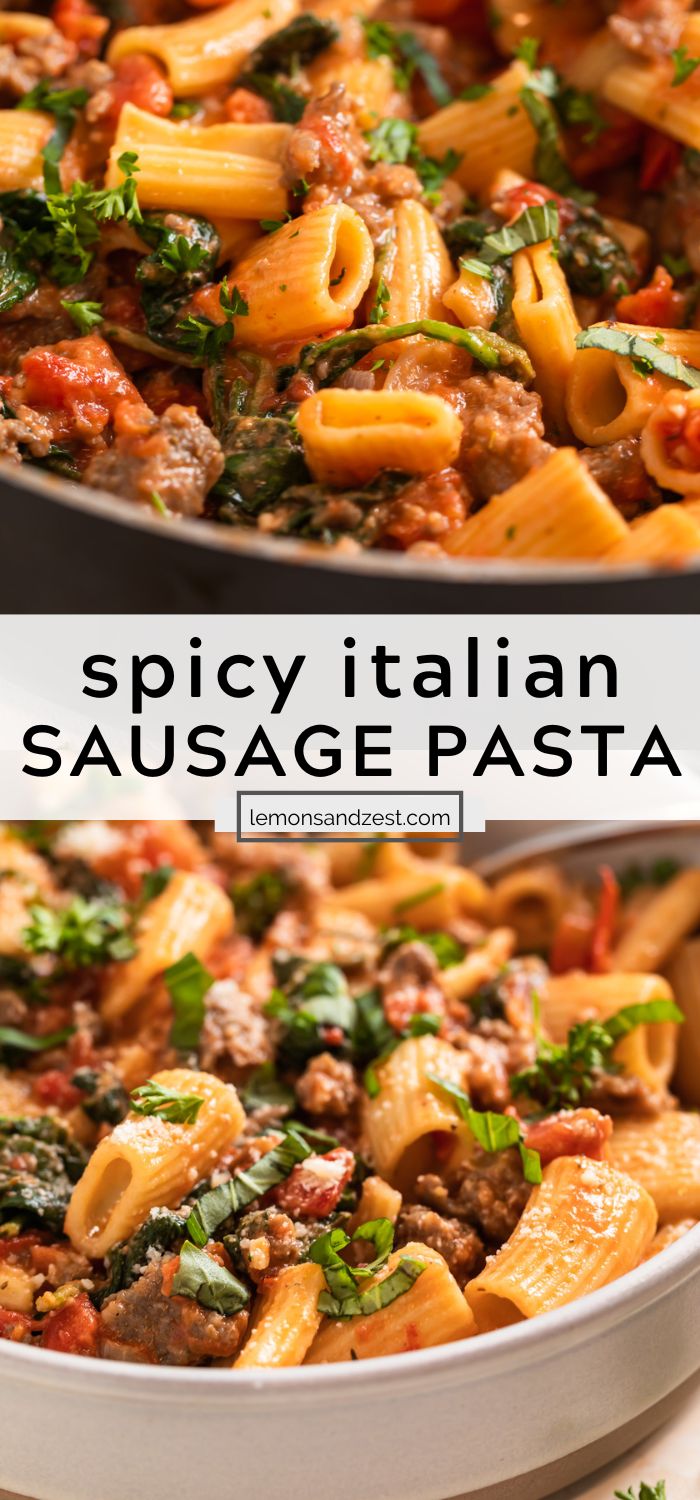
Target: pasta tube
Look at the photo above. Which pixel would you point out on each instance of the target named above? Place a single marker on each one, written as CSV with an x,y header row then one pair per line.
x,y
547,324
663,1155
427,898
432,1311
647,90
671,442
684,978
190,915
485,132
667,535
648,1052
460,981
556,511
531,900
419,268
307,278
23,133
138,129
472,299
668,1236
21,23
401,1119
209,50
350,436
205,182
671,915
287,1320
608,399
585,1225
147,1163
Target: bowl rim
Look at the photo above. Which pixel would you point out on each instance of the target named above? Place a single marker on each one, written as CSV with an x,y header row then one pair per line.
x,y
468,1359
289,551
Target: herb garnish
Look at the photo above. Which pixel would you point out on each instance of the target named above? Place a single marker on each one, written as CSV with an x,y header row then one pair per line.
x,y
396,140
207,1282
494,1132
187,983
21,1041
206,340
344,1299
63,104
683,66
447,949
408,57
85,315
645,1492
214,1207
258,900
563,1074
645,356
151,1098
86,932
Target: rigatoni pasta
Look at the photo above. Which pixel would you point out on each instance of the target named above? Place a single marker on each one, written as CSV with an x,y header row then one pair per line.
x,y
291,1113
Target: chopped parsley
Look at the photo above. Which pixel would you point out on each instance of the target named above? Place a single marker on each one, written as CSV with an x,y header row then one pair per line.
x,y
151,1098
527,50
187,983
205,340
344,1297
396,140
645,356
563,1074
382,299
494,1132
85,315
86,932
60,232
408,57
645,1492
684,66
207,1282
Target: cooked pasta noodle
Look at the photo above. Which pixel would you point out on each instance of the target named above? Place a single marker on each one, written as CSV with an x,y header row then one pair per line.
x,y
663,1155
210,49
350,436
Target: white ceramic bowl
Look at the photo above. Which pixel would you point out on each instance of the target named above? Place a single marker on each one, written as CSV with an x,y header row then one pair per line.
x,y
516,1414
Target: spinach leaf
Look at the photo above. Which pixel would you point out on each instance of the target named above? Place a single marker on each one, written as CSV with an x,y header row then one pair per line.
x,y
162,1230
230,1198
328,360
294,45
264,455
16,281
50,1162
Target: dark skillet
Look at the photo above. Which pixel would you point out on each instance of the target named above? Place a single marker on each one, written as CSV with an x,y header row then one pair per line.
x,y
66,548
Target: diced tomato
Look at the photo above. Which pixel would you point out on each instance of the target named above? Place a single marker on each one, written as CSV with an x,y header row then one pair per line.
x,y
122,305
18,1247
571,945
615,145
73,1328
515,200
571,1132
55,1087
660,158
144,847
605,921
81,23
138,79
680,428
247,108
314,1186
79,384
656,305
426,511
16,1326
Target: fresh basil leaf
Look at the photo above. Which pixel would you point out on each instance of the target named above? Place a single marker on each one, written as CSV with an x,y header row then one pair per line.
x,y
494,1132
151,1098
214,1207
187,983
22,1042
264,1089
645,356
208,1283
562,1075
344,1299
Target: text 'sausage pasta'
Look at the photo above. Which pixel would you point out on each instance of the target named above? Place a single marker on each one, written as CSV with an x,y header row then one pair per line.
x,y
419,275
265,1105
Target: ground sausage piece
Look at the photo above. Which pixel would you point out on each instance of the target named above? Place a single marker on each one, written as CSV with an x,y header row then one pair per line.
x,y
327,1086
570,1132
234,1029
28,430
175,456
268,1240
486,1078
326,149
488,1192
32,59
143,1323
619,1094
619,470
457,1242
503,433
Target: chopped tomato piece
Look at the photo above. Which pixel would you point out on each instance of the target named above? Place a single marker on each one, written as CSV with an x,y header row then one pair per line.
x,y
122,305
163,388
314,1186
660,158
81,23
605,921
571,1132
18,1247
55,1087
16,1326
656,305
571,945
138,79
143,847
524,195
73,1328
247,108
78,383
